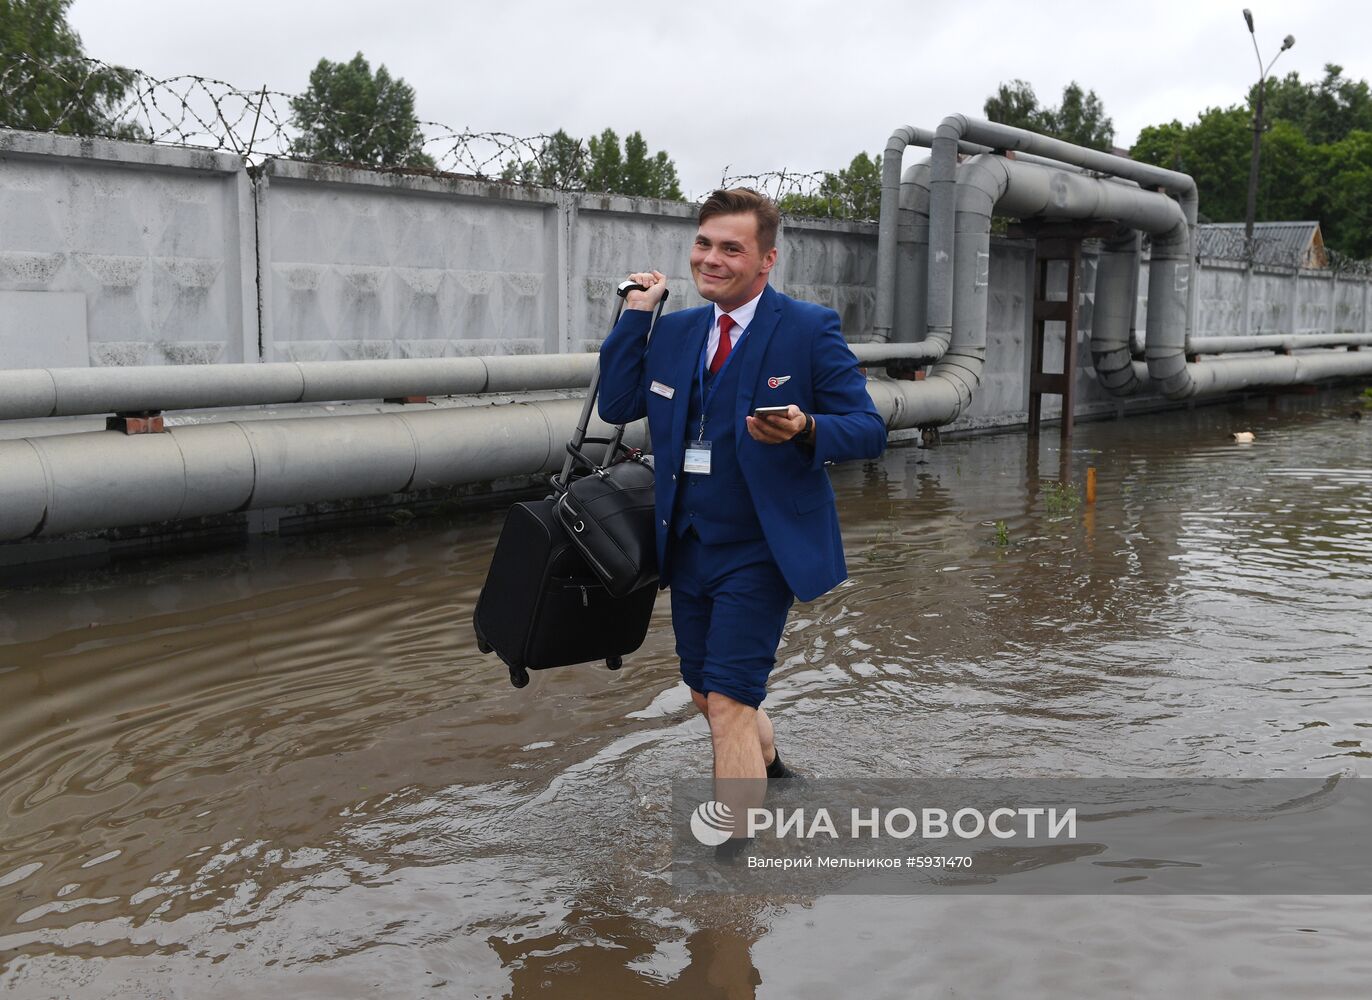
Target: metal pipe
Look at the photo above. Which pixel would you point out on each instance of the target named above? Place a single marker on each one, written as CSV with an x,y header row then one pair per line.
x,y
892,161
912,257
875,354
1166,328
959,128
1112,322
78,482
951,384
1277,342
1033,190
885,311
1233,374
67,483
987,185
61,392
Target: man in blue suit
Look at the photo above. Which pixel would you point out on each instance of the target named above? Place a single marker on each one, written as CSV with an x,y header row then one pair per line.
x,y
745,513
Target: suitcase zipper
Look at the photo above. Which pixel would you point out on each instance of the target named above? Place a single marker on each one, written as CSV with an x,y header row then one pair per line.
x,y
584,589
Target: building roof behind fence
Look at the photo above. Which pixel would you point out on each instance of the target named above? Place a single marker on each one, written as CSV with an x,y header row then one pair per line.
x,y
1281,244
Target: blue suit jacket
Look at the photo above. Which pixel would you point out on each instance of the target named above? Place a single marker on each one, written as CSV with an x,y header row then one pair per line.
x,y
795,353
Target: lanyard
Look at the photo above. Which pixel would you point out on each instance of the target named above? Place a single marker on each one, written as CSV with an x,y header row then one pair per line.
x,y
705,396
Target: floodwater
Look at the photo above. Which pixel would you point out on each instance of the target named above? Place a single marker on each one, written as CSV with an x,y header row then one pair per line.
x,y
284,769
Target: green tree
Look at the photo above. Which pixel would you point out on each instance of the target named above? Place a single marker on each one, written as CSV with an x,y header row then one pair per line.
x,y
638,163
1300,179
1162,145
825,203
606,168
1345,178
1080,118
1015,103
648,176
1288,185
599,165
349,114
1215,151
1324,112
665,184
562,163
46,82
852,193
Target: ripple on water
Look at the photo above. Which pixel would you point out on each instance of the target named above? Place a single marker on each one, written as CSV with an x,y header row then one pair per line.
x,y
289,770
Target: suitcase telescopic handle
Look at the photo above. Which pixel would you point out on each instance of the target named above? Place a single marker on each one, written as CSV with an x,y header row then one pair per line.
x,y
559,482
625,287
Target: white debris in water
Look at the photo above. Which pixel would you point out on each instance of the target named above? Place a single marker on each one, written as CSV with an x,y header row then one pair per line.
x,y
20,873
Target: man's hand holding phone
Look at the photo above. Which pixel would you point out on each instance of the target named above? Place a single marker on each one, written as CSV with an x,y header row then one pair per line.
x,y
778,424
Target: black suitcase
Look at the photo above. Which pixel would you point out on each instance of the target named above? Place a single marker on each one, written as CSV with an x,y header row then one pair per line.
x,y
542,606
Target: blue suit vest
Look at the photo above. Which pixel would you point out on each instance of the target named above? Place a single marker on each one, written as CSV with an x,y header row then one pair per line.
x,y
718,506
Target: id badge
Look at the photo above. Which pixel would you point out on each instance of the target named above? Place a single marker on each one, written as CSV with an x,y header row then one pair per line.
x,y
698,458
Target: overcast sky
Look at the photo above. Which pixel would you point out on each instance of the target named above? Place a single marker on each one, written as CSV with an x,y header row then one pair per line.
x,y
798,85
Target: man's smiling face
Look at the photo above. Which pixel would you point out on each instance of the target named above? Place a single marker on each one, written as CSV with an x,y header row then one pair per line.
x,y
728,267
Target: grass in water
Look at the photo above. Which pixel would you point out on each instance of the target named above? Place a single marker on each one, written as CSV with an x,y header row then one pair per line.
x,y
1061,498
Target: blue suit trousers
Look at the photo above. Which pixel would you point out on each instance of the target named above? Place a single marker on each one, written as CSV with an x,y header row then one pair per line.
x,y
729,606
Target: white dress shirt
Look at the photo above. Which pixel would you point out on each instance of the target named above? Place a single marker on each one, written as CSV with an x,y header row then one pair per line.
x,y
742,316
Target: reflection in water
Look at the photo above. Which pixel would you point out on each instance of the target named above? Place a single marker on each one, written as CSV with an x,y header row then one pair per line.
x,y
285,768
592,958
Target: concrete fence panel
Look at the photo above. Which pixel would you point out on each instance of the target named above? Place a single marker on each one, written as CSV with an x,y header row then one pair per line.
x,y
361,264
115,253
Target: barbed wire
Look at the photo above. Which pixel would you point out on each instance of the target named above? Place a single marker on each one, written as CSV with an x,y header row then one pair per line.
x,y
1231,244
206,113
1341,263
1216,243
804,193
776,184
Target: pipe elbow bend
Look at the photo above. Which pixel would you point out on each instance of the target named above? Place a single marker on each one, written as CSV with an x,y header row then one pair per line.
x,y
1178,236
952,127
981,178
900,138
1183,387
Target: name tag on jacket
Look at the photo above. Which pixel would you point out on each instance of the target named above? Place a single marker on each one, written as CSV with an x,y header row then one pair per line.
x,y
666,391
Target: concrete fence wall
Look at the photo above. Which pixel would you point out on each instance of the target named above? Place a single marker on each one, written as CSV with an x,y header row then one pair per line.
x,y
1235,301
123,254
365,264
127,254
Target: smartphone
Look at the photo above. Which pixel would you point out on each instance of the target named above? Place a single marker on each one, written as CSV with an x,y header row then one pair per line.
x,y
767,411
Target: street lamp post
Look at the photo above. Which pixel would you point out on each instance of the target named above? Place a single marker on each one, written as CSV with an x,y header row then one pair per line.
x,y
1287,42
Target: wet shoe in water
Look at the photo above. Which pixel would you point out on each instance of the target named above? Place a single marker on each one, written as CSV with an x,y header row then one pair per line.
x,y
778,774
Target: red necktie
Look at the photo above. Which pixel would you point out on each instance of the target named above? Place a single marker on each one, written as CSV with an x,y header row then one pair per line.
x,y
726,344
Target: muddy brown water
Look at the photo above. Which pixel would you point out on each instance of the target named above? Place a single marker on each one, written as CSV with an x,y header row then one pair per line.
x,y
284,769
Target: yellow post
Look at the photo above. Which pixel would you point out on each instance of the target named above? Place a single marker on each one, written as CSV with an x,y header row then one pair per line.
x,y
1091,485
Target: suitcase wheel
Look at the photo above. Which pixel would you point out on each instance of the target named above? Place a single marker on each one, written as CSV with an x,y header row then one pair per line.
x,y
484,646
615,662
519,677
